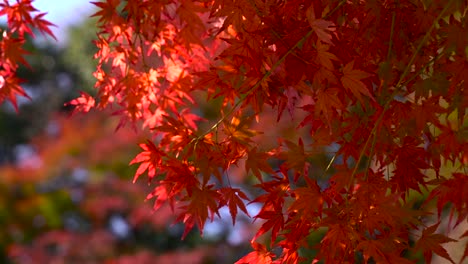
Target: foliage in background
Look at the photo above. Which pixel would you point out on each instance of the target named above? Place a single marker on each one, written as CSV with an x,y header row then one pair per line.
x,y
71,200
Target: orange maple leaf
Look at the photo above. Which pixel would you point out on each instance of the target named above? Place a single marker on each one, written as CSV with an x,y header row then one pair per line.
x,y
260,255
351,81
324,57
308,200
257,162
239,130
296,158
320,26
327,101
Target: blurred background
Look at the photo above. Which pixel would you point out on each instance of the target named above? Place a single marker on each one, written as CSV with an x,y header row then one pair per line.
x,y
66,191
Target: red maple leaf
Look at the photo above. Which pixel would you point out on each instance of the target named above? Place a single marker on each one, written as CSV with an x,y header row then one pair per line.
x,y
260,255
107,11
84,103
162,195
308,200
274,222
12,51
452,191
337,242
465,254
232,198
429,243
150,159
202,203
10,88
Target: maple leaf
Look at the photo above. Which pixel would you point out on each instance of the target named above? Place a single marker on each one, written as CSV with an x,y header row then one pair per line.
x,y
107,12
20,19
451,142
201,203
162,194
232,197
351,81
382,251
275,190
308,200
18,16
273,201
257,162
372,249
456,36
239,130
274,222
44,25
187,12
190,37
150,159
320,26
12,51
409,160
337,243
260,255
327,101
465,254
453,191
324,57
291,98
429,243
340,179
427,112
84,103
10,88
296,158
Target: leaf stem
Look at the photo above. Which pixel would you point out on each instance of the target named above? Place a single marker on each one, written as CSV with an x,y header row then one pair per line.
x,y
329,165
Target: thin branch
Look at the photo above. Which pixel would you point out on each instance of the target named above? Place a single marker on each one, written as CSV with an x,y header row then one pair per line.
x,y
397,86
421,44
391,36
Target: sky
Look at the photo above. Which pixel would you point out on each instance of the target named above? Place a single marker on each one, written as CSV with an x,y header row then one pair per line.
x,y
62,13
